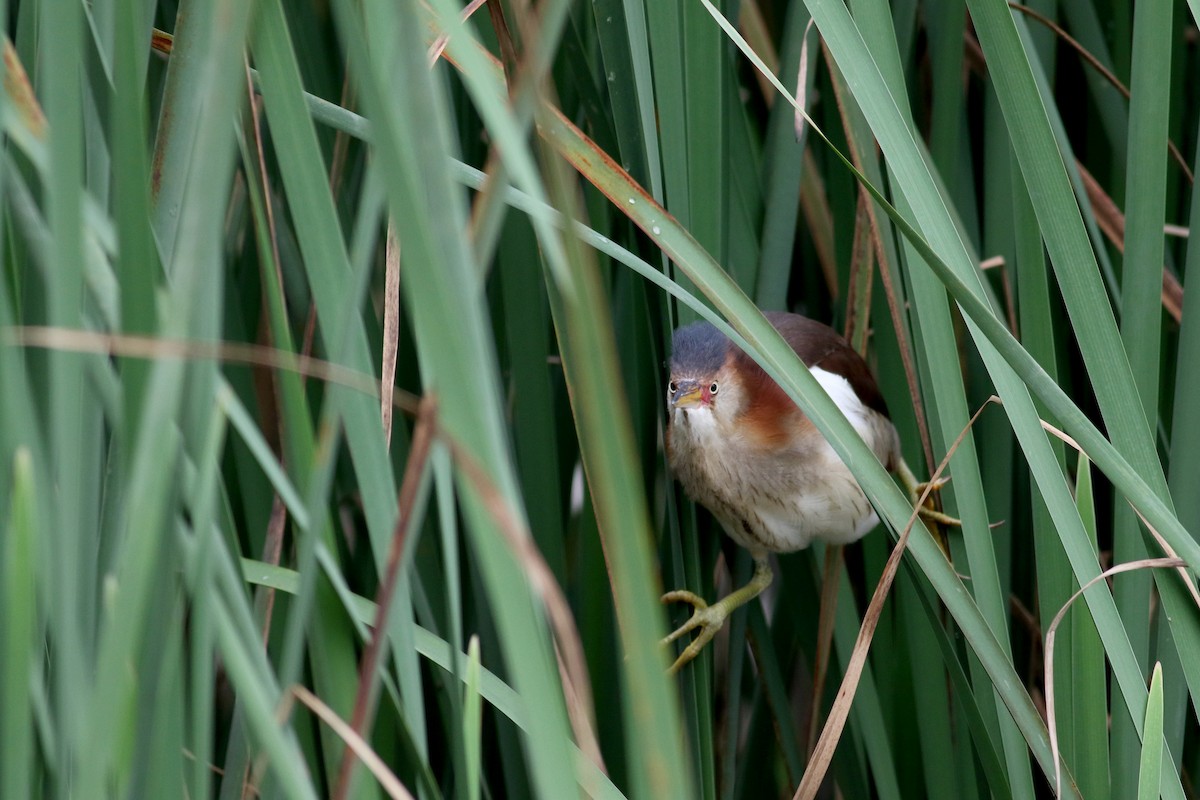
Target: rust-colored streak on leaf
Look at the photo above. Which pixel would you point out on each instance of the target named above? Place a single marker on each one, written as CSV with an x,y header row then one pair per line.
x,y
265,381
830,582
1108,216
20,92
591,161
161,42
508,48
272,550
1112,225
1172,296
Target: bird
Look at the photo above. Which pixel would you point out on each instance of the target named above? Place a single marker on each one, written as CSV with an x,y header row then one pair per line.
x,y
744,450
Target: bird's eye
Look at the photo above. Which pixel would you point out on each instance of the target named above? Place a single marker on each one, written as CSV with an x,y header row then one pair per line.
x,y
712,389
672,387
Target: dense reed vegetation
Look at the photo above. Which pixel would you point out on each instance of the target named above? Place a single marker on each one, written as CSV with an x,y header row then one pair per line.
x,y
331,365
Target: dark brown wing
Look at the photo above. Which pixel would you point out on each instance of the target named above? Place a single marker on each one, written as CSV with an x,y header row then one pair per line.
x,y
818,345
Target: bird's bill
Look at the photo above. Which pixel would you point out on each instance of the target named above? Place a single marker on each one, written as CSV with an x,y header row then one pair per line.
x,y
687,395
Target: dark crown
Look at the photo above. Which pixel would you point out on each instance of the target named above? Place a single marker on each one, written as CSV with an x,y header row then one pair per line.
x,y
698,349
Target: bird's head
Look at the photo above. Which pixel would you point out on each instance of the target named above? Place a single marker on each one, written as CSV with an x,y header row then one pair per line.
x,y
703,378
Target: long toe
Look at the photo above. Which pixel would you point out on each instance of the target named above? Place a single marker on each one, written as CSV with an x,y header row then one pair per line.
x,y
707,620
693,649
939,518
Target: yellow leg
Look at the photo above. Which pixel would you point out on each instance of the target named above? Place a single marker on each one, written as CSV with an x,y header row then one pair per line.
x,y
915,489
709,619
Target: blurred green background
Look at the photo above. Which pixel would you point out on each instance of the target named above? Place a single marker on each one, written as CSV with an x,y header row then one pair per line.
x,y
237,235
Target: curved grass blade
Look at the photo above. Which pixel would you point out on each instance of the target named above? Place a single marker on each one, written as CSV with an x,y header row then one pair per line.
x,y
1152,748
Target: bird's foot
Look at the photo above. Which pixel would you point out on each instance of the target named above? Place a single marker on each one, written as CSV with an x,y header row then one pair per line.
x,y
927,510
709,619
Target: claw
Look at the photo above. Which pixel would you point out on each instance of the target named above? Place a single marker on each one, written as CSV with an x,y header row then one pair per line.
x,y
933,486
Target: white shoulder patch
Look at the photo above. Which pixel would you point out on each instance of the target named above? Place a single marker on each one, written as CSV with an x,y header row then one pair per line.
x,y
842,393
876,429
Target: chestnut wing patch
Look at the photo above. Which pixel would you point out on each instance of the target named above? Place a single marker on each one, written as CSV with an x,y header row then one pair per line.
x,y
819,345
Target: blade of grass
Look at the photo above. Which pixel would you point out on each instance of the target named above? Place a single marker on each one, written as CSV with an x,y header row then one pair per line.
x,y
933,723
1086,687
327,266
137,265
997,335
1152,751
1070,254
472,721
1141,321
764,342
495,691
20,628
529,346
583,324
620,29
455,355
59,82
1185,428
782,169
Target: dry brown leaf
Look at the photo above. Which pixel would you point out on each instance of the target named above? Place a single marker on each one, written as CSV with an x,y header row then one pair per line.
x,y
387,779
132,346
391,327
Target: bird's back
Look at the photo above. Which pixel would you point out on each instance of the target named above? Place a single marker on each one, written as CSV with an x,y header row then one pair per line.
x,y
819,345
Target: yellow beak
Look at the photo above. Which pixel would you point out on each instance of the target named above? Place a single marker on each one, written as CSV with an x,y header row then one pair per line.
x,y
686,395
